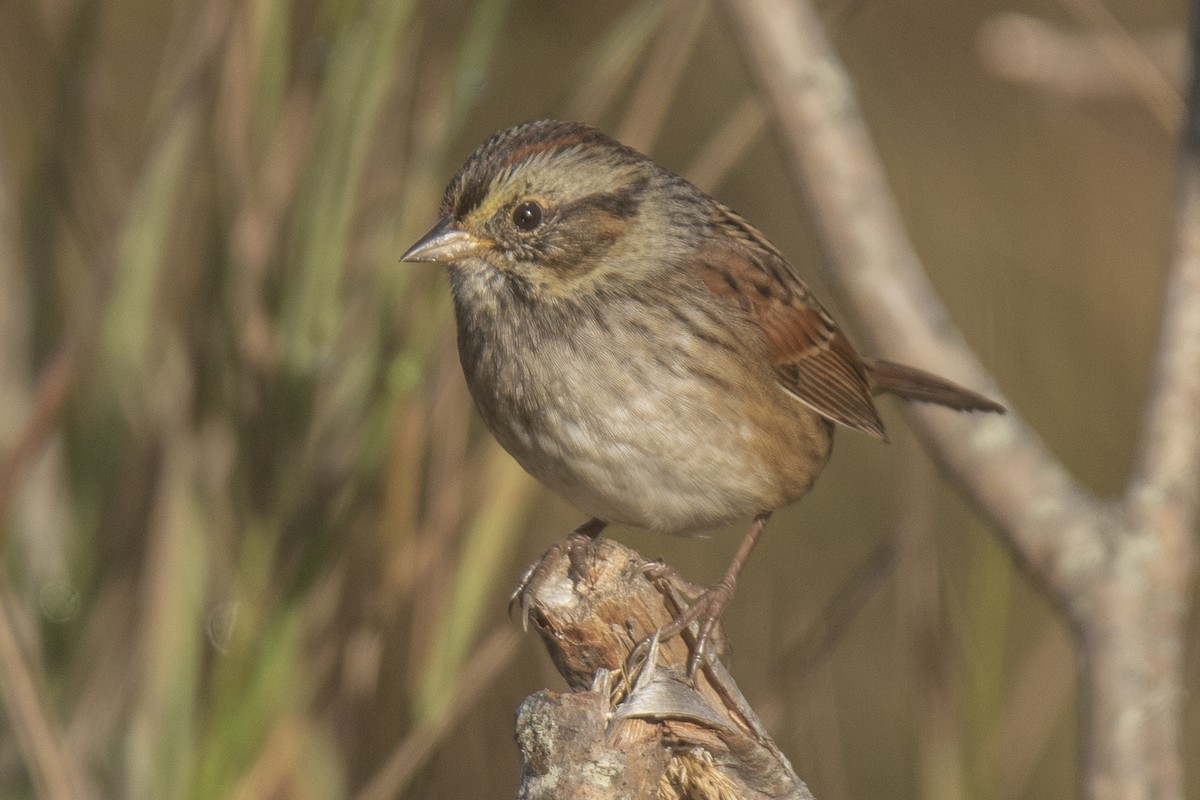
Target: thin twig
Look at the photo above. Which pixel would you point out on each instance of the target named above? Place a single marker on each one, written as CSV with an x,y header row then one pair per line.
x,y
1078,64
1142,74
662,73
53,389
818,642
422,742
52,766
727,144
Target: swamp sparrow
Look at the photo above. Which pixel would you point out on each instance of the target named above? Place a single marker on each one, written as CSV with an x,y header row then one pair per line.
x,y
643,350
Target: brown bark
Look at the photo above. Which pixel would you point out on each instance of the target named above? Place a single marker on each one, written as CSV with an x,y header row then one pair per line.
x,y
662,737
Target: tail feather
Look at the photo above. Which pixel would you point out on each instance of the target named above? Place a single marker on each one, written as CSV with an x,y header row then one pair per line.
x,y
914,384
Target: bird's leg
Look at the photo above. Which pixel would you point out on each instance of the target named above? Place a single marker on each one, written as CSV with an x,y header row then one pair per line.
x,y
707,608
579,545
575,547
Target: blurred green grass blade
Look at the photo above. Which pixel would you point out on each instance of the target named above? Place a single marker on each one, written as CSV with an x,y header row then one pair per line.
x,y
360,72
260,684
272,32
443,105
258,677
991,602
482,35
161,738
488,541
130,319
613,59
319,766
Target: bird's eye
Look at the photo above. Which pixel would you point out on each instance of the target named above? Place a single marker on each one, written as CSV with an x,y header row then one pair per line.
x,y
527,216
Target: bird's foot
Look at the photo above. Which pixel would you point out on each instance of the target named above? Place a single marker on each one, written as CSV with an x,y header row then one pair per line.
x,y
705,612
576,547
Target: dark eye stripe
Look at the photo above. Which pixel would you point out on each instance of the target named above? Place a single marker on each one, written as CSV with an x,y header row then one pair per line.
x,y
622,203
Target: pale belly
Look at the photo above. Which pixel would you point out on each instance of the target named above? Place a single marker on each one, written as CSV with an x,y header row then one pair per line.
x,y
628,441
643,463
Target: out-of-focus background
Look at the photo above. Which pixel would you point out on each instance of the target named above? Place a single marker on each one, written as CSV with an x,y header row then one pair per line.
x,y
256,543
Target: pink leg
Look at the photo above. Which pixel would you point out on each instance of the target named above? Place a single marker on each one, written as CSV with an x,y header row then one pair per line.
x,y
707,608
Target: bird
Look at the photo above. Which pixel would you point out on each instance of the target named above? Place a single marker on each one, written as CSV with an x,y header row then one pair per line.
x,y
642,349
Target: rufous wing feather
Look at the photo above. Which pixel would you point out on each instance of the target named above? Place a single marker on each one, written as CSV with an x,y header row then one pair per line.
x,y
814,361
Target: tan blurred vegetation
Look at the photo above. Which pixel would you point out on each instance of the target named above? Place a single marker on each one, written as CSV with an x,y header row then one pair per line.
x,y
256,544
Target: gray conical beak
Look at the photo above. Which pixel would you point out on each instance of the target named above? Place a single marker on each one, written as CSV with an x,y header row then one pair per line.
x,y
445,243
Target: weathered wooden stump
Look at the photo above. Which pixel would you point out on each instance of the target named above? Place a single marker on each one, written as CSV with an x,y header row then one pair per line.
x,y
643,732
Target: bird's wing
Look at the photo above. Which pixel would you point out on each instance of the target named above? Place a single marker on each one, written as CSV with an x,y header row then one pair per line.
x,y
813,360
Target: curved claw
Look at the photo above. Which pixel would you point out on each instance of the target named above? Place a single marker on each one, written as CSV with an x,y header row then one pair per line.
x,y
705,611
642,658
521,593
537,573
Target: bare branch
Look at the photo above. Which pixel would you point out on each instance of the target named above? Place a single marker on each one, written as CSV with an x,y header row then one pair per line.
x,y
999,461
1164,483
53,769
1122,573
53,390
1138,69
1080,64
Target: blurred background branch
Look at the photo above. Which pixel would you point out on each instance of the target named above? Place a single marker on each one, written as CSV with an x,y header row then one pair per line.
x,y
1090,62
1127,605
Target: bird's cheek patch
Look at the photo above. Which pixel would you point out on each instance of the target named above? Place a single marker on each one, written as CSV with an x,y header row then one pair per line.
x,y
578,245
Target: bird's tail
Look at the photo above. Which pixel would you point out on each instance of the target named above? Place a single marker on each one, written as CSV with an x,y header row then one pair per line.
x,y
914,384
